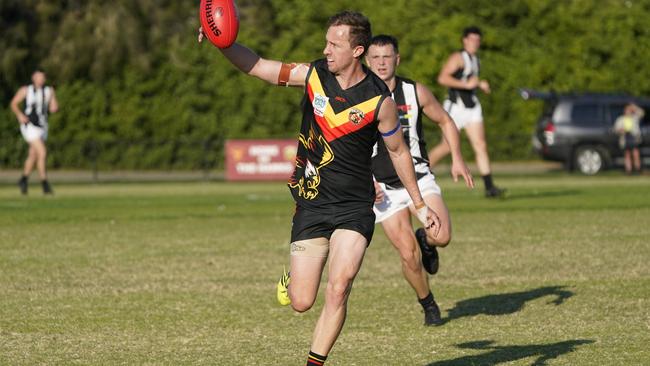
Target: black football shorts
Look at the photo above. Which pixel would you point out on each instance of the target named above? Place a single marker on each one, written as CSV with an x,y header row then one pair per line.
x,y
310,224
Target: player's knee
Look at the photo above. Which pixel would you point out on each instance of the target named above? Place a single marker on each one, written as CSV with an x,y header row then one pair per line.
x,y
442,240
337,291
301,305
300,308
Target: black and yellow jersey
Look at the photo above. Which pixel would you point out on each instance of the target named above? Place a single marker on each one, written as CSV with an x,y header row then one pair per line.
x,y
337,135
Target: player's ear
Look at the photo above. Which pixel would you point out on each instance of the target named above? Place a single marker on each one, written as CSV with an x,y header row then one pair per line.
x,y
398,59
358,51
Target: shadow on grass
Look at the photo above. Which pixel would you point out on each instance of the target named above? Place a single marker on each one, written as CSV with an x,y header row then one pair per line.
x,y
505,354
543,194
503,304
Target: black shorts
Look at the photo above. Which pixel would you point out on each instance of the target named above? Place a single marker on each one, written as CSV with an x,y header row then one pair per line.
x,y
310,224
630,142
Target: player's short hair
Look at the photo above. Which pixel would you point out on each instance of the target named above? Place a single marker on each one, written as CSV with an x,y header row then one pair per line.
x,y
360,31
384,40
472,30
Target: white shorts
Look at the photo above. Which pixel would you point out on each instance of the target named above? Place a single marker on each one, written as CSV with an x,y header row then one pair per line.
x,y
31,133
462,115
397,199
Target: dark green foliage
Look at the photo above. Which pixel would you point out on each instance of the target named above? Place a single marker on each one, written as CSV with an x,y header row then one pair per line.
x,y
137,91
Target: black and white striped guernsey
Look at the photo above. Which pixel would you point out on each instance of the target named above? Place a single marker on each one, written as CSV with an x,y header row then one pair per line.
x,y
410,118
471,67
36,104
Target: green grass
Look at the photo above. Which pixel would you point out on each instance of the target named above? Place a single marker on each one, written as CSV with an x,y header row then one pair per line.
x,y
184,274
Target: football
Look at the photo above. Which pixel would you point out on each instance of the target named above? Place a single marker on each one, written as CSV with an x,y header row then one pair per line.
x,y
220,21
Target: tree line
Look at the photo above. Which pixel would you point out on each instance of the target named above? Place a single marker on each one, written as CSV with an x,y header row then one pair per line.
x,y
137,91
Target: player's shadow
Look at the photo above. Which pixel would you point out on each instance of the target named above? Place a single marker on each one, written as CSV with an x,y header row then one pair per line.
x,y
505,354
503,304
543,194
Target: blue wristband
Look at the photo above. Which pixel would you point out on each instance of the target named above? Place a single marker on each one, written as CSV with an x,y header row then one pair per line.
x,y
392,132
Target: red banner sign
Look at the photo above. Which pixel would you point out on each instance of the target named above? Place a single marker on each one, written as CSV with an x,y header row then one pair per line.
x,y
260,159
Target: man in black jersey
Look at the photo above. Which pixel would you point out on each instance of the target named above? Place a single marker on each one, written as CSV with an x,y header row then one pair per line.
x,y
393,206
345,108
461,75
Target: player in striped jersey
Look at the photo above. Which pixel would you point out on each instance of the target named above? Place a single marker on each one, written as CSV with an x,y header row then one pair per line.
x,y
40,100
393,207
461,75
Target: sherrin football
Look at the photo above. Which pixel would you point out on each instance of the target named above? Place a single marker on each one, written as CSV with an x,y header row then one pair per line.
x,y
219,21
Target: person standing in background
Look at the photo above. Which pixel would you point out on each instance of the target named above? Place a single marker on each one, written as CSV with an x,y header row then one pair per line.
x,y
627,127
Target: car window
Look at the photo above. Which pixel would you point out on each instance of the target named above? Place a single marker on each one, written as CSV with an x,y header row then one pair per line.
x,y
586,114
615,111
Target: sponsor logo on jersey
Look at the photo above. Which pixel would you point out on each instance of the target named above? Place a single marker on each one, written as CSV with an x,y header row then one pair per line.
x,y
356,115
319,103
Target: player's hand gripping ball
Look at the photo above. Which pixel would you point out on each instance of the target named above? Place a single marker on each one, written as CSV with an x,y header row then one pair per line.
x,y
219,21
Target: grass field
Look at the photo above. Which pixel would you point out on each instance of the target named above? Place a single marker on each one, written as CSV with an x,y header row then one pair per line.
x,y
184,274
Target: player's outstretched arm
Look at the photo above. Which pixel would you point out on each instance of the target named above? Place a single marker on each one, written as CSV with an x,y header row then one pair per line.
x,y
432,109
271,71
391,132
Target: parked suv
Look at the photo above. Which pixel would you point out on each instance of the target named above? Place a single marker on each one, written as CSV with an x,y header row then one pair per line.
x,y
577,129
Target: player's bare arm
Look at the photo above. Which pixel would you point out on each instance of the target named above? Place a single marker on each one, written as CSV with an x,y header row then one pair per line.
x,y
432,109
484,86
20,96
446,75
446,78
402,160
271,71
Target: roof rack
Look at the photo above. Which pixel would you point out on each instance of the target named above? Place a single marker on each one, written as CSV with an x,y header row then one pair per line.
x,y
528,94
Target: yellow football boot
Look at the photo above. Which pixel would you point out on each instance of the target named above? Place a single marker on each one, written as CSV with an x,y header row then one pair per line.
x,y
283,288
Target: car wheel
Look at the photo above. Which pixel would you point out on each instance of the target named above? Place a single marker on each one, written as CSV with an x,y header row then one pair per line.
x,y
590,160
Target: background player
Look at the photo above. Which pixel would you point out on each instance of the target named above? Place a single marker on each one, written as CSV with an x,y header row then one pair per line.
x,y
393,206
40,100
461,75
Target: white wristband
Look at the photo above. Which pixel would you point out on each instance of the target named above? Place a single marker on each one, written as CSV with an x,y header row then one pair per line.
x,y
421,214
